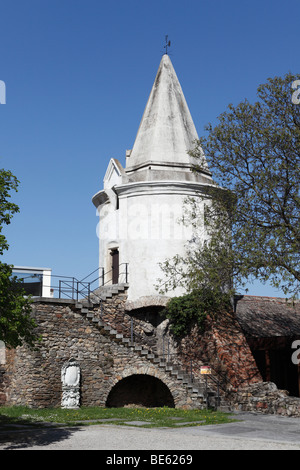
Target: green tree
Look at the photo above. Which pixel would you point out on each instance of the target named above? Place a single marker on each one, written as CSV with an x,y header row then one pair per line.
x,y
253,218
16,323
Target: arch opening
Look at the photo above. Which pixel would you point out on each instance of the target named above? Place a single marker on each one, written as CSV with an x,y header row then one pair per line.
x,y
140,390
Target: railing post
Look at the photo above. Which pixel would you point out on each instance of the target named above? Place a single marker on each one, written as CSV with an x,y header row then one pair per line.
x,y
89,290
131,330
76,289
126,273
102,276
59,289
168,354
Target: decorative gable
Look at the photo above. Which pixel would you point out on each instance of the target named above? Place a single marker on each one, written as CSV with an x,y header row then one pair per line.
x,y
114,174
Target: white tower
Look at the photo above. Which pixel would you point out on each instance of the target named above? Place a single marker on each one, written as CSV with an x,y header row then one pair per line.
x,y
139,206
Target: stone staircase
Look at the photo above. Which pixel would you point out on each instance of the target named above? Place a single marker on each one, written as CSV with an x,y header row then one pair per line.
x,y
200,394
106,292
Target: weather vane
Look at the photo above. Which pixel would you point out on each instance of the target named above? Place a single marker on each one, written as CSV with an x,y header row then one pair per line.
x,y
168,44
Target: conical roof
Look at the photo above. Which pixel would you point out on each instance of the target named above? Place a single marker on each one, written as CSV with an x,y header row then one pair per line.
x,y
166,131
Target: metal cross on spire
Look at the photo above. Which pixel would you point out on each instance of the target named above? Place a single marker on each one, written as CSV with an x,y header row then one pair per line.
x,y
168,44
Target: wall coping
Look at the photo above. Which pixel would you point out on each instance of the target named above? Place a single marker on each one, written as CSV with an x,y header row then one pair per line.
x,y
54,300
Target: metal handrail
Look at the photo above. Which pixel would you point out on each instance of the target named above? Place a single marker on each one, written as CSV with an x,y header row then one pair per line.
x,y
104,274
72,288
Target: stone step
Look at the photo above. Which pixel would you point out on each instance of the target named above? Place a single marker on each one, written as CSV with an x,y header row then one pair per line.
x,y
156,360
182,376
190,386
161,364
97,322
83,304
107,292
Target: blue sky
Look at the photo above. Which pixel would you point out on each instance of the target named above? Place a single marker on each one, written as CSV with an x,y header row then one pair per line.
x,y
78,74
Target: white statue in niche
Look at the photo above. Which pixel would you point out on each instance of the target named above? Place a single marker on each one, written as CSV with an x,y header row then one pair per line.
x,y
70,377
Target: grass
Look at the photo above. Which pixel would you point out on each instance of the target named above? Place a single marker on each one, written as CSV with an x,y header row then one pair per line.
x,y
148,417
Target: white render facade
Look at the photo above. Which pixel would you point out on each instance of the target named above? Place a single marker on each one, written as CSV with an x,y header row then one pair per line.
x,y
140,206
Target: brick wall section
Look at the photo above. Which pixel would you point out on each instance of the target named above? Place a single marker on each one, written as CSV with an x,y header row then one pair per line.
x,y
224,347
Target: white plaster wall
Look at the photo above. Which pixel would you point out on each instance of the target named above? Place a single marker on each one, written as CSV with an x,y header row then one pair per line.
x,y
46,289
147,231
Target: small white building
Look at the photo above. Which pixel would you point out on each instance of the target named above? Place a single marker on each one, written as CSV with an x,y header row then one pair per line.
x,y
36,281
140,205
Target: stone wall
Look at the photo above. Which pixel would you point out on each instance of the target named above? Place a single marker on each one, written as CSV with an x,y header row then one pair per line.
x,y
110,370
223,346
265,397
150,328
5,375
33,378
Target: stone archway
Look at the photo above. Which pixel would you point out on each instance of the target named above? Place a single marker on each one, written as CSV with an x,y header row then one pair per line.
x,y
140,390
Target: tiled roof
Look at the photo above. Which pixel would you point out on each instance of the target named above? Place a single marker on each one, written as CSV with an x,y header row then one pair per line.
x,y
268,316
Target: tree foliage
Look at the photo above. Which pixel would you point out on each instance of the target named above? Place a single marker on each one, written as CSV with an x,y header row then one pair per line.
x,y
16,323
8,182
252,214
192,309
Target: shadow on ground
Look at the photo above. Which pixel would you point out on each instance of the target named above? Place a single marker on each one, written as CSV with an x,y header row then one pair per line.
x,y
14,435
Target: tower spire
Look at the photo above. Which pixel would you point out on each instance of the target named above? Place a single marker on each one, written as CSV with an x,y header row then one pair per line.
x,y
166,132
